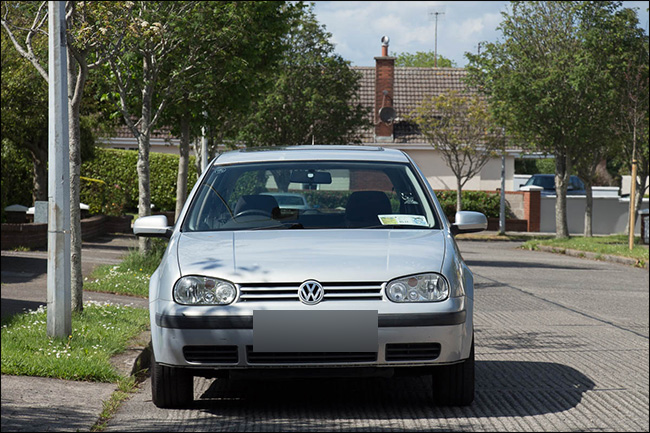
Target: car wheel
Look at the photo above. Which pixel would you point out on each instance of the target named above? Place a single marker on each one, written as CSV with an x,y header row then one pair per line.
x,y
453,385
171,387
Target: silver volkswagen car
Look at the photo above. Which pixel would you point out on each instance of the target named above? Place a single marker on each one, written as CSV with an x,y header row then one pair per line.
x,y
367,280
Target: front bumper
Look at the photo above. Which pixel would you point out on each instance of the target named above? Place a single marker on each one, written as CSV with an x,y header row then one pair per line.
x,y
181,337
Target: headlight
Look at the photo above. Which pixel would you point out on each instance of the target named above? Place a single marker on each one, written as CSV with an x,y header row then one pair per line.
x,y
418,288
195,290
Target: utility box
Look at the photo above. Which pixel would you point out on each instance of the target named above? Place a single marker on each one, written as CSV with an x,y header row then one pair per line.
x,y
40,212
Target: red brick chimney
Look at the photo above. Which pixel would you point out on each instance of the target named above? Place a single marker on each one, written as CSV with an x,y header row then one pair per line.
x,y
384,83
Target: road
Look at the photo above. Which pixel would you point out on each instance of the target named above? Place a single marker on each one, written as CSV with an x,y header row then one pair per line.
x,y
561,344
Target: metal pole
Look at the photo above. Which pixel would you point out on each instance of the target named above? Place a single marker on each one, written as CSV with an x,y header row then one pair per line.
x,y
435,52
204,150
502,207
204,144
59,322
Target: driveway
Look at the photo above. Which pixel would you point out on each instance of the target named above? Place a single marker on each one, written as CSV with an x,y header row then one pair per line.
x,y
561,344
24,273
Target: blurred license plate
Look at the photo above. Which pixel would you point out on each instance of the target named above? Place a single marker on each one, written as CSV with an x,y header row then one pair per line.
x,y
315,331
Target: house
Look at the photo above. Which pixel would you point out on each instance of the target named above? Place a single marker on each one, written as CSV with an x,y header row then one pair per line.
x,y
393,93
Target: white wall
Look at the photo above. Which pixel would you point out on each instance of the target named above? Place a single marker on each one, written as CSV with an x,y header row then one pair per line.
x,y
610,215
441,177
626,183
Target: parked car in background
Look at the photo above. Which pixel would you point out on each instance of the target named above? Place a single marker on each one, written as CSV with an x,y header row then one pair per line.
x,y
547,181
289,200
372,284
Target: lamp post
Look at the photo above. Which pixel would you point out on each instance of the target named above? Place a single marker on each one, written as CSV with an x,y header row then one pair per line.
x,y
59,320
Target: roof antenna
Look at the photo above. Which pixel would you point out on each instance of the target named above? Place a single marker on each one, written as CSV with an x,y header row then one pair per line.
x,y
433,16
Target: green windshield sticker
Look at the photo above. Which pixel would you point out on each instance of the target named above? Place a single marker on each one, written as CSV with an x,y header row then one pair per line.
x,y
399,220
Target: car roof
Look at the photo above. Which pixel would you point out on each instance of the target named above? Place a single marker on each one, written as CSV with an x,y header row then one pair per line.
x,y
313,152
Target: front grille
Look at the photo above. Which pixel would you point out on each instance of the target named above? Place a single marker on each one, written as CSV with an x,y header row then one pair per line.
x,y
307,357
211,354
412,351
265,292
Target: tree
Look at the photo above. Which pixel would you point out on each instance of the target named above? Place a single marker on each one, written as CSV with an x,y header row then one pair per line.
x,y
461,128
633,121
24,114
609,36
543,80
238,46
423,59
93,30
309,101
144,72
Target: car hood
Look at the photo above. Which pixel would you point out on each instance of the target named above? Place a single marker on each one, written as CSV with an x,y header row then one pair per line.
x,y
291,256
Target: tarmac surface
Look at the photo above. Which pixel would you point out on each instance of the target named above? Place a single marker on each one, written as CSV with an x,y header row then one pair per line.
x,y
563,349
31,404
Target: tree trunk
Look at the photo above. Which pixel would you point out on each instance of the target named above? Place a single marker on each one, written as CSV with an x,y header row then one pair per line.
x,y
459,195
39,160
589,209
144,191
561,182
76,83
183,165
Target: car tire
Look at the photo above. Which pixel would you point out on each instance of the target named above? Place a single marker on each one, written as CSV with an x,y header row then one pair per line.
x,y
171,387
453,385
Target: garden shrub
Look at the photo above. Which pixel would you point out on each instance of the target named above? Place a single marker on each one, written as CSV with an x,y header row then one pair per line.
x,y
17,183
117,168
487,203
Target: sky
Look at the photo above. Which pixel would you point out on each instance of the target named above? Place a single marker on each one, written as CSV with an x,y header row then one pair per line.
x,y
358,26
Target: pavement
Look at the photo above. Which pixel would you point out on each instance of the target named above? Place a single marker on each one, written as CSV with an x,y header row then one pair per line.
x,y
33,404
44,404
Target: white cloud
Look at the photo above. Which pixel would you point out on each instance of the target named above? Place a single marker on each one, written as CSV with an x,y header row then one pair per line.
x,y
357,26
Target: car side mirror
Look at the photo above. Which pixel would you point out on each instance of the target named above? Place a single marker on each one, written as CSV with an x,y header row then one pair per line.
x,y
154,226
468,222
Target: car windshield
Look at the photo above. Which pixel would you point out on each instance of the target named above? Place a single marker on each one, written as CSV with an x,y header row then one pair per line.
x,y
309,195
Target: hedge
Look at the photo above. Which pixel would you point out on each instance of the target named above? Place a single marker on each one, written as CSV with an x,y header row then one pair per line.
x,y
117,169
17,183
479,201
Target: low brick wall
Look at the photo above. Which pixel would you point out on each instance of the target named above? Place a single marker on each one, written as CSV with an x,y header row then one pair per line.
x,y
512,225
34,235
119,224
30,235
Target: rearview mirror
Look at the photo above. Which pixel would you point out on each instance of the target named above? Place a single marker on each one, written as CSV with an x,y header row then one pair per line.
x,y
154,226
468,222
311,176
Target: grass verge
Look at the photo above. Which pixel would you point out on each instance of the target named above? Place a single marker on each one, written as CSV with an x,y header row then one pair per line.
x,y
99,332
615,245
125,388
131,276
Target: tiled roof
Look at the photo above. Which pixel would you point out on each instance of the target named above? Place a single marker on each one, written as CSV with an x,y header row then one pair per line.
x,y
410,87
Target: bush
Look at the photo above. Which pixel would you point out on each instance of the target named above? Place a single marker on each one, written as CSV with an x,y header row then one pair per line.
x,y
17,181
327,199
478,201
102,198
118,168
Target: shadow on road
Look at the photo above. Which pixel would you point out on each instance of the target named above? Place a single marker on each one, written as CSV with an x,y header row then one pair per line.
x,y
503,389
22,269
10,307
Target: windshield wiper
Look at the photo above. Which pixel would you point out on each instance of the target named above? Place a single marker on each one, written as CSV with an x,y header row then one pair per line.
x,y
282,226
